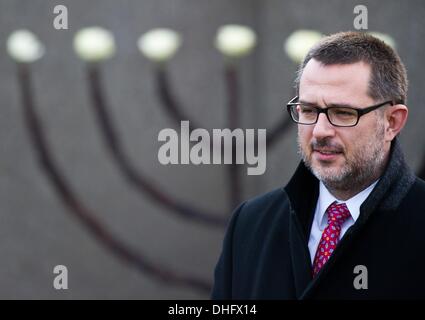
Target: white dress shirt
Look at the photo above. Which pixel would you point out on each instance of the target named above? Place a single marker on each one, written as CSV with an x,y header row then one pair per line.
x,y
320,220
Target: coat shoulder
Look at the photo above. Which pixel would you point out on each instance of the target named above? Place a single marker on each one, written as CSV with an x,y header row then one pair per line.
x,y
412,207
264,200
263,209
415,198
420,185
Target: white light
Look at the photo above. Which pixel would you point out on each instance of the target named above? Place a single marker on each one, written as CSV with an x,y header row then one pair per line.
x,y
235,40
159,45
94,44
300,42
24,46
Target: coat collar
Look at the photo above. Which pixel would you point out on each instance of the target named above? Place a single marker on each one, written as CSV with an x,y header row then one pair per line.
x,y
303,191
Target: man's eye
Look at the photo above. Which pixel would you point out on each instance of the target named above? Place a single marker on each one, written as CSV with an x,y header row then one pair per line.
x,y
344,113
307,109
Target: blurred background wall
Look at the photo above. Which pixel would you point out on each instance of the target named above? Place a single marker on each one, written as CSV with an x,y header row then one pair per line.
x,y
36,230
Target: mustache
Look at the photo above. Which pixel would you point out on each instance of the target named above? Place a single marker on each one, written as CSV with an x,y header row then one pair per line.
x,y
326,144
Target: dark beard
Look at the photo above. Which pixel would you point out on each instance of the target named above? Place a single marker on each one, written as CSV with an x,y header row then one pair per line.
x,y
358,172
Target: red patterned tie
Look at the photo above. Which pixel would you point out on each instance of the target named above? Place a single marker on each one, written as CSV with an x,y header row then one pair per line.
x,y
337,214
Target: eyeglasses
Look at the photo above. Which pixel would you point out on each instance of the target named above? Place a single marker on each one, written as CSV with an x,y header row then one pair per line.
x,y
304,113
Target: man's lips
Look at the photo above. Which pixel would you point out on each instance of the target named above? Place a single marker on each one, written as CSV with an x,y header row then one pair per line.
x,y
326,154
327,151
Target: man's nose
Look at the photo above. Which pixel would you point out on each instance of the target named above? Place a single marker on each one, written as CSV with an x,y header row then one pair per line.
x,y
323,128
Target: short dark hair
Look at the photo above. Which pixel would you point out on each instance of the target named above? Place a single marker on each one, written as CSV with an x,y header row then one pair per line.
x,y
388,79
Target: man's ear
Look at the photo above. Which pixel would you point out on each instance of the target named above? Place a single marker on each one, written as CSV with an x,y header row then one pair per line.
x,y
395,119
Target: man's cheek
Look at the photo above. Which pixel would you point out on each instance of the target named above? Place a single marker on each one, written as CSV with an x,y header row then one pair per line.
x,y
303,137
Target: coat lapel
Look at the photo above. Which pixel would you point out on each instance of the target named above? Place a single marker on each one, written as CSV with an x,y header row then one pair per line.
x,y
300,258
302,192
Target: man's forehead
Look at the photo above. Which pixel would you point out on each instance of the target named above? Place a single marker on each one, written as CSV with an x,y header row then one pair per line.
x,y
336,82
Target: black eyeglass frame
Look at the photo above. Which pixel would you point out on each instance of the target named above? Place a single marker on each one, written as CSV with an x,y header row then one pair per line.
x,y
360,112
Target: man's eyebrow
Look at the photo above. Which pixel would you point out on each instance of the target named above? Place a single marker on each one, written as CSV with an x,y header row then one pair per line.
x,y
338,105
311,104
342,105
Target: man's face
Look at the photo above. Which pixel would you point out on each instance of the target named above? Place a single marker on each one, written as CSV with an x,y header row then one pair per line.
x,y
341,157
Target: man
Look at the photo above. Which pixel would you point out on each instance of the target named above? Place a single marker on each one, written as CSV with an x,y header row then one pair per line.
x,y
350,222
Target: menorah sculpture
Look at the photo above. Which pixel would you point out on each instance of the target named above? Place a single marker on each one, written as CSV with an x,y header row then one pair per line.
x,y
95,45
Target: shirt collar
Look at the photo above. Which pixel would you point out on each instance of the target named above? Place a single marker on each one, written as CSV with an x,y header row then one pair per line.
x,y
353,204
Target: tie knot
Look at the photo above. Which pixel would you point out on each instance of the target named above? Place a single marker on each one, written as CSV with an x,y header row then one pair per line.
x,y
337,213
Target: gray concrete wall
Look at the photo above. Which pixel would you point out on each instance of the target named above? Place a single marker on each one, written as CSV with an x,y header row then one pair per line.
x,y
36,230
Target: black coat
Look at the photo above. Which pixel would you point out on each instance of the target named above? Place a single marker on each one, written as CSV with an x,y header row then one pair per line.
x,y
265,251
